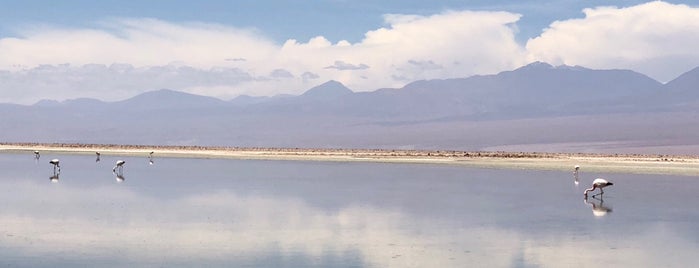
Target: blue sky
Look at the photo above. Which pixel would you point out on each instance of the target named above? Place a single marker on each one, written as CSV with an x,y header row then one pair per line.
x,y
287,19
115,49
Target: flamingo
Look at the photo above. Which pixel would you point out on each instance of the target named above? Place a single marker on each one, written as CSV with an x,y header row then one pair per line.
x,y
120,165
55,163
598,183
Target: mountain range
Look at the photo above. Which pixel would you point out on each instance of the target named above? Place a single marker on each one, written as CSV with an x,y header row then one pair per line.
x,y
538,107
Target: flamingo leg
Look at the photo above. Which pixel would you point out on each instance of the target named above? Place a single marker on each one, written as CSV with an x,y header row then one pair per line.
x,y
600,193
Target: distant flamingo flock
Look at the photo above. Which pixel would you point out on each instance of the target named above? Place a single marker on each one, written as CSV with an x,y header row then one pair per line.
x,y
118,169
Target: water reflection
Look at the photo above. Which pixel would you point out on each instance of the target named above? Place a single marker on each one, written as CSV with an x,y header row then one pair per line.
x,y
308,214
575,174
98,156
598,207
120,178
54,178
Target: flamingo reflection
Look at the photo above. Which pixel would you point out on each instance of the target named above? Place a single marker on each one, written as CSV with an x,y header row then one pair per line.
x,y
575,174
598,207
150,158
98,156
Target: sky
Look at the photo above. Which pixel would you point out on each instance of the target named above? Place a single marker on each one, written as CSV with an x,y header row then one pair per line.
x,y
112,50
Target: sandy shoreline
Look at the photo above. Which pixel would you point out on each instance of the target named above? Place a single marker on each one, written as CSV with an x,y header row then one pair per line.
x,y
635,163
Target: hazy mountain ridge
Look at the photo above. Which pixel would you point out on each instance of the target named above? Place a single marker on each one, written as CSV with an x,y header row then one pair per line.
x,y
537,86
532,104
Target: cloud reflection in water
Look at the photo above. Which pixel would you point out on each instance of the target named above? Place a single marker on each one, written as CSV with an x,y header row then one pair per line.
x,y
385,222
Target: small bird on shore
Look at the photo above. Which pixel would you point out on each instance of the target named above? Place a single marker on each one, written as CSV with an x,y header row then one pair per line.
x,y
120,165
98,156
598,183
37,155
56,164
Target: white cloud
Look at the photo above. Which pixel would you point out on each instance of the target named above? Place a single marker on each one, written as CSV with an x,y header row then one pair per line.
x,y
281,73
142,42
116,81
343,66
464,43
655,38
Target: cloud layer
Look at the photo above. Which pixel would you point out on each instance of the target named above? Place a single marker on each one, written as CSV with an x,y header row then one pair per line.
x,y
123,57
656,38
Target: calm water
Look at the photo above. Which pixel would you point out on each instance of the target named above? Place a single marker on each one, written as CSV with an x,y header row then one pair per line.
x,y
232,213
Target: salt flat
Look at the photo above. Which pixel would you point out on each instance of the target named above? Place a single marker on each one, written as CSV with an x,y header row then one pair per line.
x,y
615,163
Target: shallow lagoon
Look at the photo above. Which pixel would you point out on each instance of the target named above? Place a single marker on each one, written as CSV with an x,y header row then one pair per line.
x,y
233,213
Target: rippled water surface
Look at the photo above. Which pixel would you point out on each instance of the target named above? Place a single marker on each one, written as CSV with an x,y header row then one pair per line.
x,y
233,213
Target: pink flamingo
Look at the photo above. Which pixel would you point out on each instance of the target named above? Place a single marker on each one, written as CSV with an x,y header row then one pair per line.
x,y
598,183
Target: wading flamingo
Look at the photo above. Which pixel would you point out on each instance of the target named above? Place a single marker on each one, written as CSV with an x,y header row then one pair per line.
x,y
120,165
598,183
55,163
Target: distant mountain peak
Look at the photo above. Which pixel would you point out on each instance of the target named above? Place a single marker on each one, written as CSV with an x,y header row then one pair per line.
x,y
689,77
164,91
330,89
171,98
47,103
68,102
536,66
685,85
168,93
